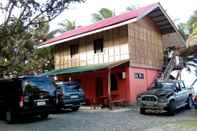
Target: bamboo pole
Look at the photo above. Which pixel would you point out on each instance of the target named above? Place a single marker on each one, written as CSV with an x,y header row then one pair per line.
x,y
109,88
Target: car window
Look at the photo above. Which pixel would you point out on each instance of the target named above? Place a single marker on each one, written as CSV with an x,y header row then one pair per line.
x,y
38,84
182,85
168,85
178,87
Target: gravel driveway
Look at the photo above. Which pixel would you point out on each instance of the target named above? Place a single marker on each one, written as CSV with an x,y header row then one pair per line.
x,y
125,119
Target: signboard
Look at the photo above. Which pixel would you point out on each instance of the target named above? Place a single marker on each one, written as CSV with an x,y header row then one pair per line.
x,y
138,75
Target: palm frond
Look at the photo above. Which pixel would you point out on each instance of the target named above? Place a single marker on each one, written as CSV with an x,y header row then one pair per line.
x,y
67,25
96,17
103,13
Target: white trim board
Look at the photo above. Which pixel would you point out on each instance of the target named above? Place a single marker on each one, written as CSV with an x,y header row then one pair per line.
x,y
88,33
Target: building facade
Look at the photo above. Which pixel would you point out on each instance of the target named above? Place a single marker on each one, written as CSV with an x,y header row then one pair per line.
x,y
117,58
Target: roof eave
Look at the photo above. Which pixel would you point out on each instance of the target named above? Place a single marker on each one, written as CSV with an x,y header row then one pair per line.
x,y
172,23
157,5
44,45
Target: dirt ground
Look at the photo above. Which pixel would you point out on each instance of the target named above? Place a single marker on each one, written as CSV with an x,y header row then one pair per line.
x,y
121,119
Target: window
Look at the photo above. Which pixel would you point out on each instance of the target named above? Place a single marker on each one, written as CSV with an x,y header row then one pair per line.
x,y
138,75
178,87
98,45
74,49
114,83
182,85
32,85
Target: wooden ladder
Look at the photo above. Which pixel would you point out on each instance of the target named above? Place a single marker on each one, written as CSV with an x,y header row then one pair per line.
x,y
169,68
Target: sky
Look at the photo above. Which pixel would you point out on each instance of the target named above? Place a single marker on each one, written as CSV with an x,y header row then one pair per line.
x,y
178,10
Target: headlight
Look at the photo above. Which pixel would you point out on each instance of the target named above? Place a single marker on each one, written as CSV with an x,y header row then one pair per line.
x,y
162,100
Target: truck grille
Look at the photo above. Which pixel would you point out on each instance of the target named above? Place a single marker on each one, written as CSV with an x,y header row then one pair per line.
x,y
149,98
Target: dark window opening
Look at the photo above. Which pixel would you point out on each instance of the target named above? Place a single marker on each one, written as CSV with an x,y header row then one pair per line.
x,y
98,45
99,87
74,50
114,83
138,75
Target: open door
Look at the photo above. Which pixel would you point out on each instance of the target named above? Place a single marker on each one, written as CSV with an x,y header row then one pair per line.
x,y
99,87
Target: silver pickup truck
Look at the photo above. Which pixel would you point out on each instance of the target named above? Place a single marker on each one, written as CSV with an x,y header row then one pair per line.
x,y
165,95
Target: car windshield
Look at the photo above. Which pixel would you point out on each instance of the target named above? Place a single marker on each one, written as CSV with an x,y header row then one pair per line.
x,y
68,86
40,83
165,85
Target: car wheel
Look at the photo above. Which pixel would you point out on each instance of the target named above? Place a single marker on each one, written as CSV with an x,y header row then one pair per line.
x,y
142,111
189,103
44,116
10,117
75,108
171,108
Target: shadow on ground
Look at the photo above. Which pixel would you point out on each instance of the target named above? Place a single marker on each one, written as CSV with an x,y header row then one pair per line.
x,y
165,114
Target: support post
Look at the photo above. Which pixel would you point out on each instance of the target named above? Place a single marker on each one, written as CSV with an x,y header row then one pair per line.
x,y
109,88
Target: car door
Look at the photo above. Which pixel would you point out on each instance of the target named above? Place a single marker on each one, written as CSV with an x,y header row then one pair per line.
x,y
178,94
184,93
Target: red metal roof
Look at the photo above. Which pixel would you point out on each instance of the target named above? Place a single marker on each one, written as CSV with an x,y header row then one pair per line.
x,y
104,23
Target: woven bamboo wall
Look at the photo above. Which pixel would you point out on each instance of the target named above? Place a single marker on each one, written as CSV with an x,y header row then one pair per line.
x,y
145,44
115,49
173,39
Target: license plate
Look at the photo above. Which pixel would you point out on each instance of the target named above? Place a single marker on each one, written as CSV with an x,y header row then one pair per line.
x,y
41,103
74,96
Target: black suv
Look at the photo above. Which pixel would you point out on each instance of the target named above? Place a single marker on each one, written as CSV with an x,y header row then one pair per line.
x,y
28,95
70,95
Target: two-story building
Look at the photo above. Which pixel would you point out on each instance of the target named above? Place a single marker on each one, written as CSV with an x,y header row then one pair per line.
x,y
118,57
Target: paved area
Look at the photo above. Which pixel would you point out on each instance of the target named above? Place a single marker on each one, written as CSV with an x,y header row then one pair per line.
x,y
124,119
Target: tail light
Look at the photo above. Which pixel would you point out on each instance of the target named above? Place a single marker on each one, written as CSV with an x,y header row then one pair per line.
x,y
61,94
195,98
21,101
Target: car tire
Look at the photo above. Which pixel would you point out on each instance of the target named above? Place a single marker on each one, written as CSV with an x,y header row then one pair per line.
x,y
44,116
171,108
189,104
10,117
75,108
142,111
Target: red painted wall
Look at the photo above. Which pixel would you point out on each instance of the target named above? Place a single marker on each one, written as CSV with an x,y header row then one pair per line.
x,y
128,88
138,86
123,84
88,83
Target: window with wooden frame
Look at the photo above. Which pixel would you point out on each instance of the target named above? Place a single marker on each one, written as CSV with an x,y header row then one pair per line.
x,y
98,45
114,83
74,49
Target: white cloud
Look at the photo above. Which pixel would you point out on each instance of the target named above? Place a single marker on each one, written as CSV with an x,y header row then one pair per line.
x,y
177,9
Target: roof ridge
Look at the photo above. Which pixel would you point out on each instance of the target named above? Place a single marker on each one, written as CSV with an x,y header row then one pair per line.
x,y
104,23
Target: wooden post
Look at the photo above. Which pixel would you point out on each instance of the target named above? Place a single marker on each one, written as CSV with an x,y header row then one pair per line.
x,y
109,88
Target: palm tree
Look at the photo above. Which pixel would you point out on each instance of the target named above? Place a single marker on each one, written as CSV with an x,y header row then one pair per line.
x,y
189,56
183,30
130,8
103,14
192,23
67,25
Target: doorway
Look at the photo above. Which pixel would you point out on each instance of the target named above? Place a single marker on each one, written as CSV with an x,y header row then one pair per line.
x,y
99,87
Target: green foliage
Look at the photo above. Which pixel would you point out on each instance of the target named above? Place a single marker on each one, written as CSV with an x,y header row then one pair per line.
x,y
190,27
192,24
103,14
20,32
67,25
183,29
130,8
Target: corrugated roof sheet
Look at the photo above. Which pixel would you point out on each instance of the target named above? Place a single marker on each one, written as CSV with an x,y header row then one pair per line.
x,y
82,69
104,23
